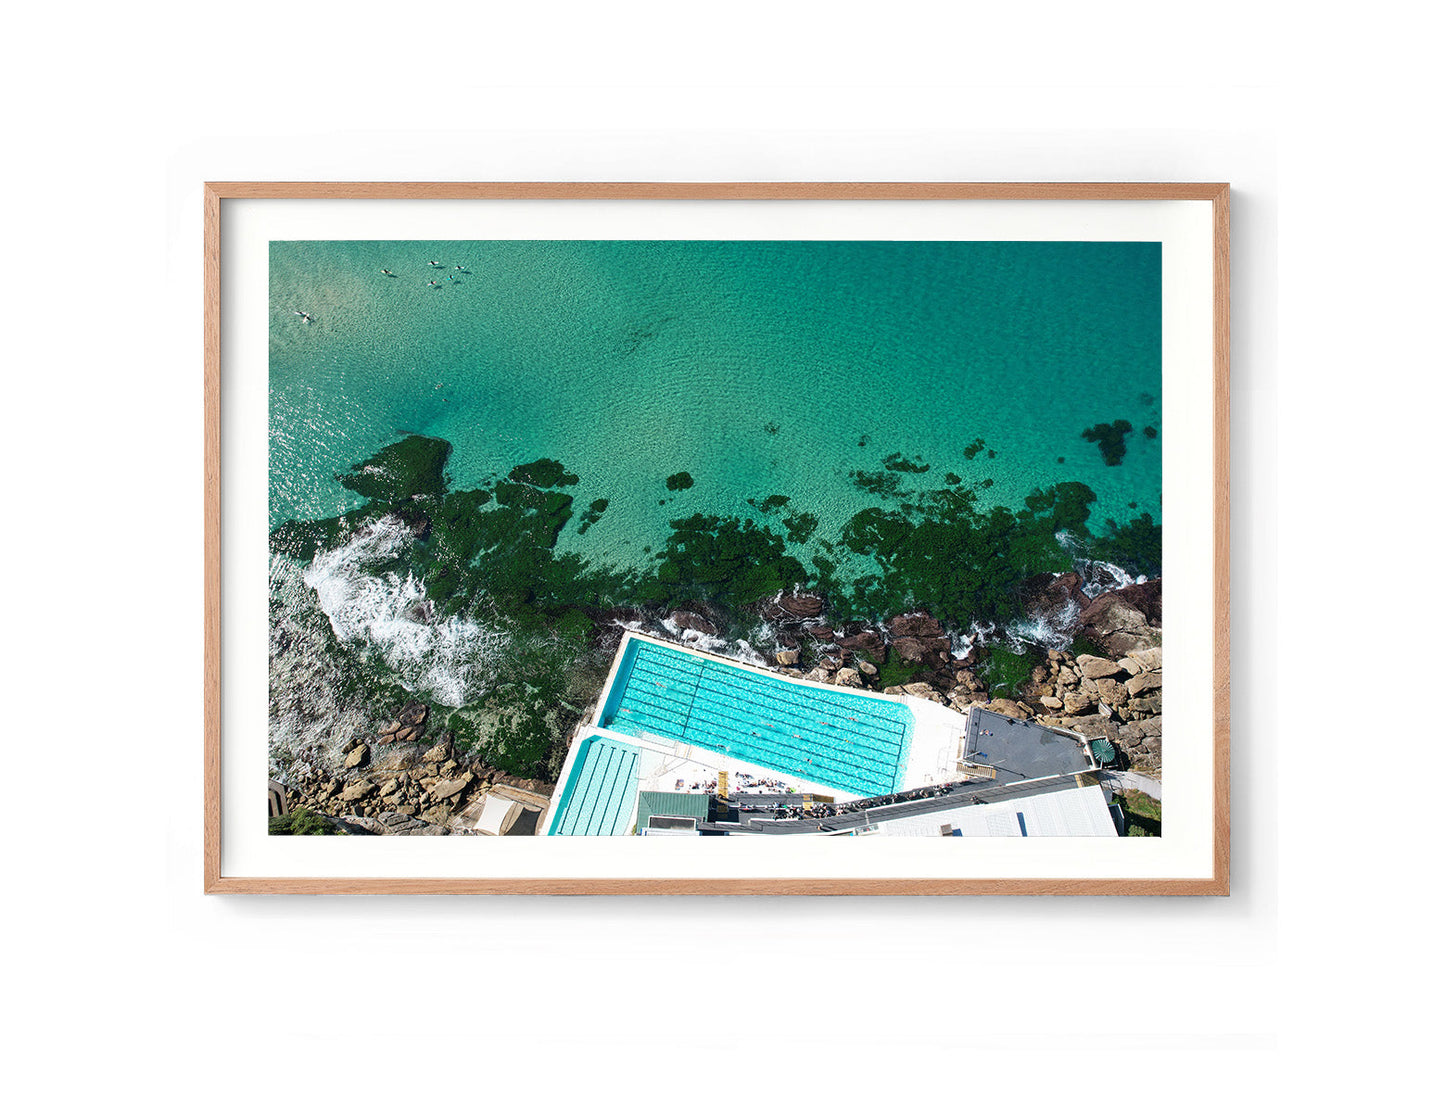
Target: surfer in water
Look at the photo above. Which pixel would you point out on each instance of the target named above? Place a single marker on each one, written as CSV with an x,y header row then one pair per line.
x,y
388,273
306,317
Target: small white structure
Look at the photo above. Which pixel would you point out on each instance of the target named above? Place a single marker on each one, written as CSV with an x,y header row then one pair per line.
x,y
498,815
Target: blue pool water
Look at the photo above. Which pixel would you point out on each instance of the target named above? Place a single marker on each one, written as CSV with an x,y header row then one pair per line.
x,y
600,791
834,737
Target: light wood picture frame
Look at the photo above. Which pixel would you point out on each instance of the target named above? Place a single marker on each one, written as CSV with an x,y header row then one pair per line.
x,y
1212,828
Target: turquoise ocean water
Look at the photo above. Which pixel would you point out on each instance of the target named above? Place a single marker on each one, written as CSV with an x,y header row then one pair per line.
x,y
759,368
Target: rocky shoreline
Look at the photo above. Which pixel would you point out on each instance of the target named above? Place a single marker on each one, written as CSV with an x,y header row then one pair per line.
x,y
397,781
1117,695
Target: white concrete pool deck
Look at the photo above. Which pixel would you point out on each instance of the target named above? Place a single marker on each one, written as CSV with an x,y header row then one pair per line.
x,y
934,747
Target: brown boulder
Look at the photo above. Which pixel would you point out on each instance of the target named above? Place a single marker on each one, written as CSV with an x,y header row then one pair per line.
x,y
1112,692
1148,660
445,789
1144,681
910,650
1146,705
1095,667
920,625
1091,726
1144,727
787,657
922,691
867,641
358,756
685,619
396,762
797,606
1009,708
1116,626
1147,598
1076,702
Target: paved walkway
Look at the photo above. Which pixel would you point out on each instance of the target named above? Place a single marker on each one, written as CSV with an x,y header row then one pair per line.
x,y
948,797
1132,781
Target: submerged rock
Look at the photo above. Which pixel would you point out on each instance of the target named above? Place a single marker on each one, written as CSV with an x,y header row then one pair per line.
x,y
866,641
919,624
796,607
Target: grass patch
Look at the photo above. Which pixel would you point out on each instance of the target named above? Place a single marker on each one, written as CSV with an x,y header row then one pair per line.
x,y
300,821
1005,672
898,673
1143,815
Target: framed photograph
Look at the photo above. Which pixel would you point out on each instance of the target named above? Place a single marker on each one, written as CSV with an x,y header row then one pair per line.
x,y
753,538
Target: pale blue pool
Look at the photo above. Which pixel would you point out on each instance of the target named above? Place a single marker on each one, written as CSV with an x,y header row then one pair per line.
x,y
600,791
830,736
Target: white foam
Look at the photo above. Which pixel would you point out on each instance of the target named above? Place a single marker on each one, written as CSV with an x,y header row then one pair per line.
x,y
449,660
1051,631
740,649
1100,576
307,720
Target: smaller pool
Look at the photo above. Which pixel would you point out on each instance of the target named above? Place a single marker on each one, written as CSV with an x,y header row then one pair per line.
x,y
601,789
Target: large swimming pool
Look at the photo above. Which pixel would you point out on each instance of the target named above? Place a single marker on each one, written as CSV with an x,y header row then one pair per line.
x,y
830,736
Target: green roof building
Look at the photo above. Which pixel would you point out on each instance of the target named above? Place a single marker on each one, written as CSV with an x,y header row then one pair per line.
x,y
671,812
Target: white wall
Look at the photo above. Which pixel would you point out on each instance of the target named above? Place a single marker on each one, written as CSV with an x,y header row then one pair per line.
x,y
123,979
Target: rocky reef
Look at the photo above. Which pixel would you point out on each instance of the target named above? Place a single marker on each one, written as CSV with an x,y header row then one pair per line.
x,y
398,782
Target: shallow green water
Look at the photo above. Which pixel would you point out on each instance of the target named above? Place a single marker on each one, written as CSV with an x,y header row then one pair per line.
x,y
759,368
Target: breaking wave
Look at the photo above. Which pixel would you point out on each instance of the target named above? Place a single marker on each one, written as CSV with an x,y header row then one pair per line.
x,y
740,649
388,615
1050,631
1098,576
308,717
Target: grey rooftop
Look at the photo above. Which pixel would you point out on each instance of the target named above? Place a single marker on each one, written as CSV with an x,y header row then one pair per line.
x,y
1022,750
